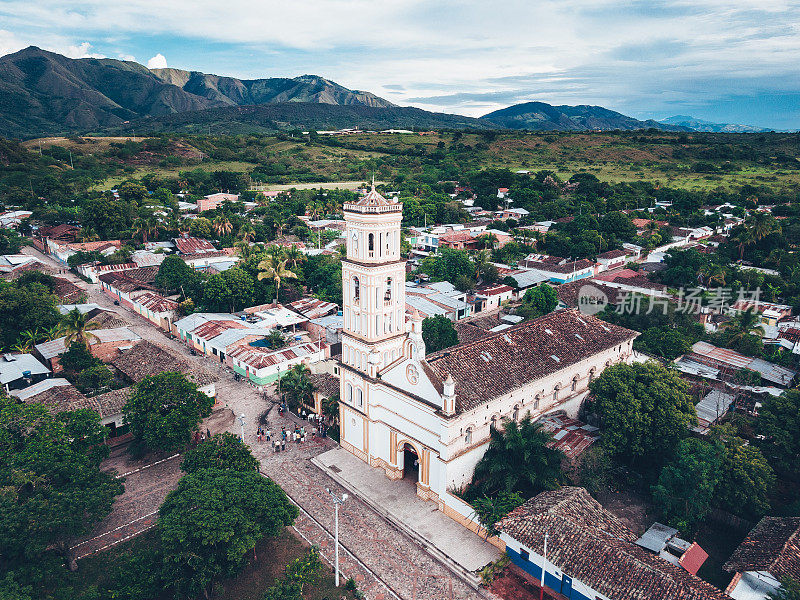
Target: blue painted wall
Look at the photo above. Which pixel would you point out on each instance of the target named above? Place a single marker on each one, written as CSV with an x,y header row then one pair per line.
x,y
563,586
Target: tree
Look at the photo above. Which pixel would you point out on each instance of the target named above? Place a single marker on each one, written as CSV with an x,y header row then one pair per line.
x,y
779,421
283,590
24,307
222,226
789,590
438,333
212,519
164,410
305,569
273,267
685,488
50,477
296,387
747,480
220,451
77,328
538,301
216,293
663,342
174,274
644,409
240,285
518,460
491,510
94,379
77,358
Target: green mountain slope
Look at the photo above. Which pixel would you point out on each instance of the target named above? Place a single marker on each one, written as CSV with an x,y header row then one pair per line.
x,y
540,116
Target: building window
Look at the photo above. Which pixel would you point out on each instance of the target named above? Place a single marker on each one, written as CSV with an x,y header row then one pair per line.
x,y
515,414
387,297
591,375
574,383
468,436
359,398
349,393
356,289
555,394
536,402
371,243
524,554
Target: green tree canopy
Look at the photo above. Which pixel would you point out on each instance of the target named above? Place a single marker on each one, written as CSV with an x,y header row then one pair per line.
x,y
644,409
296,387
174,274
164,410
212,519
789,590
51,485
538,301
779,421
438,333
685,488
24,307
220,451
517,460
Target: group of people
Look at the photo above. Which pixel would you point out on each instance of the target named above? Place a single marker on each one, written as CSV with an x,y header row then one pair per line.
x,y
298,435
198,436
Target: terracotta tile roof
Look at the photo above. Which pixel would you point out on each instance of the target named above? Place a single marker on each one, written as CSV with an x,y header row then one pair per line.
x,y
326,384
146,359
58,395
509,359
131,280
211,329
570,436
59,231
67,291
613,254
590,544
773,546
106,319
111,403
259,358
568,292
566,268
193,245
467,332
97,246
494,290
693,558
156,302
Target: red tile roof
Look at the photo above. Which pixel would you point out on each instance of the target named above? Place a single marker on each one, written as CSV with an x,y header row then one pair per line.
x,y
193,245
507,360
156,302
568,292
611,254
693,558
590,544
773,546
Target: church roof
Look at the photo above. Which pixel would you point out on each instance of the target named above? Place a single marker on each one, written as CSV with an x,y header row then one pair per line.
x,y
507,360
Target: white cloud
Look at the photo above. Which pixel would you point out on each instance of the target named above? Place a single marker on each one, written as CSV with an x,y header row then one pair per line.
x,y
128,57
157,62
82,50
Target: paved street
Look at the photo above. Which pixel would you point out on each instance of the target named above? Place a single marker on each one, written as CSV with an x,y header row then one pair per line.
x,y
385,562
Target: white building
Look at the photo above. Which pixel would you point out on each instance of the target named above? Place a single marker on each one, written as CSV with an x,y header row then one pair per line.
x,y
430,417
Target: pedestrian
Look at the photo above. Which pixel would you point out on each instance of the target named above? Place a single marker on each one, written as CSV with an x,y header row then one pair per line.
x,y
283,444
313,433
303,439
269,434
202,437
304,413
208,432
303,430
258,434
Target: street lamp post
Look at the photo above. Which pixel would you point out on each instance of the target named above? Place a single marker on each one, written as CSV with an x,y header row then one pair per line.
x,y
336,502
241,420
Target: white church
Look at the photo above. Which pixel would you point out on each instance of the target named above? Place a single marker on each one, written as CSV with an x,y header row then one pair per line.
x,y
429,416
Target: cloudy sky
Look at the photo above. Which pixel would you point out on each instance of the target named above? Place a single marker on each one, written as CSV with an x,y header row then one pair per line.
x,y
720,60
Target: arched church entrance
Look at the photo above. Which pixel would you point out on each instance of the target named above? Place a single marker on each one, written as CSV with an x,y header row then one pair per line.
x,y
410,463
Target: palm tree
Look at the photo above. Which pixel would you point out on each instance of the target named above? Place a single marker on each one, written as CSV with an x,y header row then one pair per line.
x,y
246,233
519,459
293,256
487,240
743,239
77,328
763,224
145,226
313,209
296,387
54,332
244,249
31,337
222,226
480,261
88,234
742,325
274,268
280,222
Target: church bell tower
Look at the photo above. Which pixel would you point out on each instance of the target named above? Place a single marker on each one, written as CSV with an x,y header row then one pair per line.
x,y
373,285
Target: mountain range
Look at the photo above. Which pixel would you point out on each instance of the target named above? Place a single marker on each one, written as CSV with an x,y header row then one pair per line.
x,y
707,126
542,116
44,93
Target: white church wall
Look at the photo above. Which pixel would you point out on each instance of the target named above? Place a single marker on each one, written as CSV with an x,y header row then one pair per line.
x,y
460,469
379,441
352,428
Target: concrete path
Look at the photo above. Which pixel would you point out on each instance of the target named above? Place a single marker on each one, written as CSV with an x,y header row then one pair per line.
x,y
398,501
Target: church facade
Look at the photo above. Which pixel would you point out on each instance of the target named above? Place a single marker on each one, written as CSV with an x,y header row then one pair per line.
x,y
429,416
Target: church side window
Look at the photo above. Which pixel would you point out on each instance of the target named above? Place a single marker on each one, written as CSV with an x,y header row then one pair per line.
x,y
387,296
359,398
356,289
468,436
555,394
349,393
574,383
371,243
